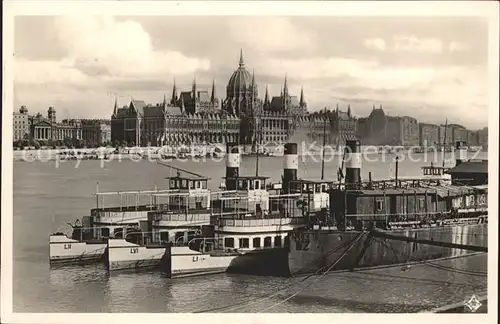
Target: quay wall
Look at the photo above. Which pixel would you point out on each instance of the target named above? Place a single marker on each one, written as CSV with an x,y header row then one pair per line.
x,y
311,251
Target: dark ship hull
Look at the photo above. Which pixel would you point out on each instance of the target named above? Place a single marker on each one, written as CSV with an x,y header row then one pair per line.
x,y
316,251
265,262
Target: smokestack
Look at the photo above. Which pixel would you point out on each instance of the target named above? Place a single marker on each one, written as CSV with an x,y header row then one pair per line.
x,y
461,150
290,166
232,165
352,156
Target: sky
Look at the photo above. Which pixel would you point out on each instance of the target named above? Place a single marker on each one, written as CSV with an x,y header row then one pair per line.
x,y
430,68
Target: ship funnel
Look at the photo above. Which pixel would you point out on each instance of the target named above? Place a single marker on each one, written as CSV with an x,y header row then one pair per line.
x,y
290,166
460,152
232,165
352,156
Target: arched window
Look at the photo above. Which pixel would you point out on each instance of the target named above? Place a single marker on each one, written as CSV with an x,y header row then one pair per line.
x,y
256,242
267,241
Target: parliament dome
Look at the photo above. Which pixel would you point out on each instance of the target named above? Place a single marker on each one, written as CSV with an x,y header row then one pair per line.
x,y
240,82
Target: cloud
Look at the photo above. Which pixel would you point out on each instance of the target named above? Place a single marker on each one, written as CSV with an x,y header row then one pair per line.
x,y
122,49
412,43
271,34
375,44
47,72
101,49
404,43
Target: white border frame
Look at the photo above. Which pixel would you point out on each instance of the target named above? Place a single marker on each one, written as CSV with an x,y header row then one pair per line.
x,y
488,9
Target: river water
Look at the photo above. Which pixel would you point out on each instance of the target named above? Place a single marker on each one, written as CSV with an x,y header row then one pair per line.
x,y
47,195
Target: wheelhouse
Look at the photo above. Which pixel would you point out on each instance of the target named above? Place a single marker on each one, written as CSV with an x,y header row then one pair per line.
x,y
314,193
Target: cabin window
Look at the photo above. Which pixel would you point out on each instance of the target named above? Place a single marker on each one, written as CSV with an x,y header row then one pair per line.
x,y
118,232
204,185
191,184
274,205
179,237
323,188
198,205
251,185
173,184
229,242
164,236
277,241
379,204
242,185
244,243
317,188
256,242
105,232
184,184
257,184
191,235
267,242
421,203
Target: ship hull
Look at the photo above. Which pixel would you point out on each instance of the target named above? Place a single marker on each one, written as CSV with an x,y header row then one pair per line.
x,y
67,251
265,262
181,261
316,251
123,255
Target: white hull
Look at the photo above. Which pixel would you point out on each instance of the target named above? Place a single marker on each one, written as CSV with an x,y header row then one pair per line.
x,y
123,255
178,261
186,262
66,250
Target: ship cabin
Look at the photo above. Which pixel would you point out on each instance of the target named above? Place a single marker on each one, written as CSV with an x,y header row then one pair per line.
x,y
181,214
314,193
254,217
252,187
116,211
436,172
399,204
472,173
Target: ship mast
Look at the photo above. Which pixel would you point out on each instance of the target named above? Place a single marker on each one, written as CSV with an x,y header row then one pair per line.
x,y
323,150
257,146
444,140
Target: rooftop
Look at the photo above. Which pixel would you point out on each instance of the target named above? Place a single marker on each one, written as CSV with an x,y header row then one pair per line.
x,y
472,166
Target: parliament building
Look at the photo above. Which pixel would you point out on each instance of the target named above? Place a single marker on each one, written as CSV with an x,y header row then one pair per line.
x,y
199,116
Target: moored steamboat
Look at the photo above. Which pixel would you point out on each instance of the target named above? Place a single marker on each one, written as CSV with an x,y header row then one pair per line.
x,y
395,221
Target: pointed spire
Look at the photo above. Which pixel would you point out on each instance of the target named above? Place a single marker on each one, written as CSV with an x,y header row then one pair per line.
x,y
213,91
285,86
349,110
373,107
302,102
242,63
174,98
266,97
193,89
115,109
